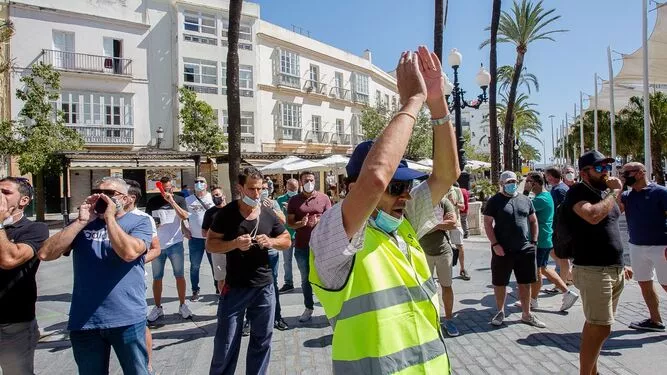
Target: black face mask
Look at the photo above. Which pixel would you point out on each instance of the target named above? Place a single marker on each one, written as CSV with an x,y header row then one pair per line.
x,y
217,201
630,180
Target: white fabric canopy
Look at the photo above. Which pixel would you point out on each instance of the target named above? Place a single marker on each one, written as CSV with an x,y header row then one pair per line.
x,y
476,164
335,161
292,164
418,167
426,162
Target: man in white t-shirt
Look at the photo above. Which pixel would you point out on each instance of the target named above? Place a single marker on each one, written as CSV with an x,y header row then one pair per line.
x,y
197,204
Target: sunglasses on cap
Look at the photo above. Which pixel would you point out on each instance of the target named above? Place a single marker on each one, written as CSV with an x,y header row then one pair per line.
x,y
396,188
602,167
107,192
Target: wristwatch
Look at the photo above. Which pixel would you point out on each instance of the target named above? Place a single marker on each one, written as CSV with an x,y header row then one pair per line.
x,y
442,121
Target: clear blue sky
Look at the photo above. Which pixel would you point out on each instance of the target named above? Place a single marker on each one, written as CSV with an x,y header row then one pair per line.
x,y
563,68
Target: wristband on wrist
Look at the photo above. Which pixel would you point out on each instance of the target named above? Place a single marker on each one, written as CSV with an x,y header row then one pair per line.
x,y
441,121
494,244
407,114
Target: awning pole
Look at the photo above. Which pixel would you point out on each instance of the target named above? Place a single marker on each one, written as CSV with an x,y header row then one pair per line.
x,y
595,115
647,103
581,123
612,112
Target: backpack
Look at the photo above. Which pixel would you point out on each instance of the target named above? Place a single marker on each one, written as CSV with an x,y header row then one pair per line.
x,y
563,240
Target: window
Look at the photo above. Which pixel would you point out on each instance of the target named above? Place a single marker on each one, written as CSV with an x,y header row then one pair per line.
x,y
200,39
200,71
199,22
315,77
291,121
386,100
289,68
360,86
245,30
339,83
378,98
340,126
317,124
99,109
246,86
393,103
247,125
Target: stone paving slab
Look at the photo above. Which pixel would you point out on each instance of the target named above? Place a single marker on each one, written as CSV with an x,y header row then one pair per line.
x,y
186,346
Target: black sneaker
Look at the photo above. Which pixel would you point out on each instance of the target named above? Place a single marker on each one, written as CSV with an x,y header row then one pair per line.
x,y
286,288
280,325
195,296
648,325
246,329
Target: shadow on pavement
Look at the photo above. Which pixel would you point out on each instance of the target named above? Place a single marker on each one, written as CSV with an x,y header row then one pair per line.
x,y
570,341
62,297
183,336
320,342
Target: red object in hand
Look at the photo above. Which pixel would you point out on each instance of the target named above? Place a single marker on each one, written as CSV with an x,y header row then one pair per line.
x,y
159,186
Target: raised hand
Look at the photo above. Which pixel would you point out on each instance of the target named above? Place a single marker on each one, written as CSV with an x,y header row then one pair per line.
x,y
87,209
409,79
112,209
5,211
431,70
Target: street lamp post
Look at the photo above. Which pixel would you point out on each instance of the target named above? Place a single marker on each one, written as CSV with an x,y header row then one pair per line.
x,y
160,136
483,79
553,147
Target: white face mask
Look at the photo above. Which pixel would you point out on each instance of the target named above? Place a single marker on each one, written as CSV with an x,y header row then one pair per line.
x,y
308,187
569,176
8,221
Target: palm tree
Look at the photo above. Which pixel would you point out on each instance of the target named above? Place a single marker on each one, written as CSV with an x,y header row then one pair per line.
x,y
233,101
506,73
525,25
493,96
439,30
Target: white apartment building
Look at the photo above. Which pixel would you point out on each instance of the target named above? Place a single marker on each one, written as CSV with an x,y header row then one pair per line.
x,y
123,61
474,121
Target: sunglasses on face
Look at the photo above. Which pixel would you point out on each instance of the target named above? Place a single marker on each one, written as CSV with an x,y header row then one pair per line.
x,y
108,192
630,173
198,181
603,167
396,188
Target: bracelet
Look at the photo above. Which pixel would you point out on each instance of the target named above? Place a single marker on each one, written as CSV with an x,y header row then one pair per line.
x,y
494,244
407,114
441,121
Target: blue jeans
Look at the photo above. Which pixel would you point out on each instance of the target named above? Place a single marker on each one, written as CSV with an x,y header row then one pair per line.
x,y
210,262
273,262
258,305
196,247
92,349
287,264
17,347
302,261
176,255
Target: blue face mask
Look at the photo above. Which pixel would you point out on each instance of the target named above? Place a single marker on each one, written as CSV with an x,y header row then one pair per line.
x,y
264,194
199,186
250,202
387,222
510,188
291,193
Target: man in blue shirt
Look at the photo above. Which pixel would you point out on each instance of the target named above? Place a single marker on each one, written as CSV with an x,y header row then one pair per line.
x,y
558,187
645,206
109,298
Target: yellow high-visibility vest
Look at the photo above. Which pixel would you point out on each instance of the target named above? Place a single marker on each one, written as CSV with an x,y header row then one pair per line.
x,y
386,318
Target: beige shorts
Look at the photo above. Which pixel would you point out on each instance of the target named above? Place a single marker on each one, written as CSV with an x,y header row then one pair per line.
x,y
219,266
600,289
442,264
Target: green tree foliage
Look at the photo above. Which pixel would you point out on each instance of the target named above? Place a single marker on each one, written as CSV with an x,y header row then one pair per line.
x,y
420,146
201,132
471,150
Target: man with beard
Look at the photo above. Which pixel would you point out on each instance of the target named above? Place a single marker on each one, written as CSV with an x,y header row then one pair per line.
x,y
645,207
592,219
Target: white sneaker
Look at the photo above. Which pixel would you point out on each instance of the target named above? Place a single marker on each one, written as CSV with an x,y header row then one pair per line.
x,y
533,304
498,318
156,313
185,312
569,298
306,316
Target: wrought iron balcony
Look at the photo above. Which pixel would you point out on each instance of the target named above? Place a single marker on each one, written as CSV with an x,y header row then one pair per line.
x,y
339,93
315,136
315,87
340,138
105,135
288,134
81,62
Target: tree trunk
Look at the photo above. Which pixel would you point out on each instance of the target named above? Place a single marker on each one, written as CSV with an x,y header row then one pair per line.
x,y
40,199
439,29
233,101
508,145
493,95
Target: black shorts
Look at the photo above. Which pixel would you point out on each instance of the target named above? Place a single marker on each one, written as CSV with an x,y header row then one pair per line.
x,y
523,263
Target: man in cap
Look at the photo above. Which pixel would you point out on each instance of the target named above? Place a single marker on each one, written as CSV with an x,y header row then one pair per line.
x,y
367,267
592,220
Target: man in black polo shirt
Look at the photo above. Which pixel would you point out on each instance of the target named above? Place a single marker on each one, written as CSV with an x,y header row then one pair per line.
x,y
592,219
20,239
245,230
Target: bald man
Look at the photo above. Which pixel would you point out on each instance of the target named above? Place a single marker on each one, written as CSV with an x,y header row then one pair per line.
x,y
645,207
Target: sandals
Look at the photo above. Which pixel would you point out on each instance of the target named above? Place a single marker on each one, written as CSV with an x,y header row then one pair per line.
x,y
464,275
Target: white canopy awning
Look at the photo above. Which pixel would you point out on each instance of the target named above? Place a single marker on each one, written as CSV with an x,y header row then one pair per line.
x,y
293,164
426,162
335,161
418,167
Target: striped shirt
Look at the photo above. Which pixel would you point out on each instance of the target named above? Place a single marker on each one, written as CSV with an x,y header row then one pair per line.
x,y
334,252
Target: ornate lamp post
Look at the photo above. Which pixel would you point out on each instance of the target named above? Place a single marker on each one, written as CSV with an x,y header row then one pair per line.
x,y
160,136
483,79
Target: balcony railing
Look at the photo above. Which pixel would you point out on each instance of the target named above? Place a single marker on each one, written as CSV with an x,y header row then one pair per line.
x,y
317,136
81,62
340,138
339,93
288,134
289,80
315,87
105,135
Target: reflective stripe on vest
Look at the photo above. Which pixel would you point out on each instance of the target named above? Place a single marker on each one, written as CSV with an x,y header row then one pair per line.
x,y
391,363
385,298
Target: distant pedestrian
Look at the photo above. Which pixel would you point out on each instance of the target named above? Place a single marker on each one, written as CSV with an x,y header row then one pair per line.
x,y
513,245
464,212
558,191
598,252
645,206
108,308
569,176
292,189
197,205
218,261
20,239
245,230
456,235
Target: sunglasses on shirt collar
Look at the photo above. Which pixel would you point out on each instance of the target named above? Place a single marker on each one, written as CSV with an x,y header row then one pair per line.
x,y
396,188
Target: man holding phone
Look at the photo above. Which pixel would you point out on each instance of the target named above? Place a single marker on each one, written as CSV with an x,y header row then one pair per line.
x,y
108,246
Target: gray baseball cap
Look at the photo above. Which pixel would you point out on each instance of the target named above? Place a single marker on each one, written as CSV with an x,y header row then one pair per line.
x,y
507,175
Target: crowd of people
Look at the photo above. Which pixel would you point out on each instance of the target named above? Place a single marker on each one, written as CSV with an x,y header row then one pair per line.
x,y
371,259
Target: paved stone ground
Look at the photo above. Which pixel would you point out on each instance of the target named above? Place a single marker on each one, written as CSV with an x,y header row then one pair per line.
x,y
186,346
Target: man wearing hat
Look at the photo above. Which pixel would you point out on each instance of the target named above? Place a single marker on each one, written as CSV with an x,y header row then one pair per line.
x,y
367,267
598,251
510,224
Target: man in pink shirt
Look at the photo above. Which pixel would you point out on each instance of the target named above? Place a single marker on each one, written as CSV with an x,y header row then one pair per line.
x,y
303,214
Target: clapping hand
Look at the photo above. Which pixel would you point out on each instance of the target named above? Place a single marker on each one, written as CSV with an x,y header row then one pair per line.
x,y
409,79
244,242
264,241
431,70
